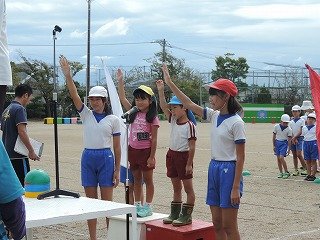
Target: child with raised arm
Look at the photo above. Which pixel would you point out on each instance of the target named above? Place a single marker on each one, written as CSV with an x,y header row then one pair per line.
x,y
281,140
99,166
179,158
143,132
227,152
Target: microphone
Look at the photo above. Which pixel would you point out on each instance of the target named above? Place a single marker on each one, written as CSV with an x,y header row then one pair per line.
x,y
131,111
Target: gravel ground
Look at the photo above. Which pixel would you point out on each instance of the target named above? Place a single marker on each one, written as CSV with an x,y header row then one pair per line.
x,y
271,208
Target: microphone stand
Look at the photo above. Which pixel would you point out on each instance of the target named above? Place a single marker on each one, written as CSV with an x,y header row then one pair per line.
x,y
127,177
57,192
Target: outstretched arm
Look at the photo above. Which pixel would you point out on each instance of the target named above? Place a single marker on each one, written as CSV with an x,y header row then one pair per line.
x,y
163,104
122,94
183,98
65,67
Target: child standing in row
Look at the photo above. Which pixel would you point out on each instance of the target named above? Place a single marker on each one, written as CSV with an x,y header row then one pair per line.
x,y
179,158
296,125
101,131
143,131
310,147
228,138
281,140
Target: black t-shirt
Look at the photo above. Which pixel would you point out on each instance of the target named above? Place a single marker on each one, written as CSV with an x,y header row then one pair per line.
x,y
12,116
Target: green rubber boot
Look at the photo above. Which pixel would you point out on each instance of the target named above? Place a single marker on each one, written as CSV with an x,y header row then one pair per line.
x,y
175,211
185,216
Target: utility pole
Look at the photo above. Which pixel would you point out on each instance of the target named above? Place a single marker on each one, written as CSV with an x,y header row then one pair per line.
x,y
88,52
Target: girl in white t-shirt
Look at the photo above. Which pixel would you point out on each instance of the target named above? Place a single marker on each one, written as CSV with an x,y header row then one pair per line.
x,y
143,131
227,152
179,158
99,166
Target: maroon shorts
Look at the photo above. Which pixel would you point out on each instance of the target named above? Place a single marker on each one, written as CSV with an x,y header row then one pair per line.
x,y
176,163
138,158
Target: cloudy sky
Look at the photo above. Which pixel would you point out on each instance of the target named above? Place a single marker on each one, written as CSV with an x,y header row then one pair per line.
x,y
126,31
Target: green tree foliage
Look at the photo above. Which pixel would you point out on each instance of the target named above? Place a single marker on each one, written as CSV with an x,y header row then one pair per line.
x,y
234,69
41,79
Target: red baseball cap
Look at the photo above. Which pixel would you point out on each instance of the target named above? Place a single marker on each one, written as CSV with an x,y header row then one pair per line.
x,y
225,85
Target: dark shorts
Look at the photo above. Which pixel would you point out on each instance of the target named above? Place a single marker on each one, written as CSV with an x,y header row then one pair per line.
x,y
298,145
138,158
310,150
21,167
176,163
14,217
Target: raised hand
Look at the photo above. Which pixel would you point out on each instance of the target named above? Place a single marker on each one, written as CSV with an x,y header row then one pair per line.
x,y
65,67
166,74
120,76
160,85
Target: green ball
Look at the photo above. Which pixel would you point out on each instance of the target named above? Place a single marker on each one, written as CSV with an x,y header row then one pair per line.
x,y
246,173
37,176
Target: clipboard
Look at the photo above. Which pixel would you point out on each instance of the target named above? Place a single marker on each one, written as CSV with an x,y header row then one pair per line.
x,y
21,148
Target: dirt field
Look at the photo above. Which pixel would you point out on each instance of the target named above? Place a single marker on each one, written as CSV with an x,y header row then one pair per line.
x,y
271,208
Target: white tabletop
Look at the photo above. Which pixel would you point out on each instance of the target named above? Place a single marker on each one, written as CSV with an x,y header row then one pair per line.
x,y
50,211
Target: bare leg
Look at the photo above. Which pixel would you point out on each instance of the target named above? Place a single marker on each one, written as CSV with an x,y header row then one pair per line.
x,y
148,179
177,188
91,192
106,194
188,188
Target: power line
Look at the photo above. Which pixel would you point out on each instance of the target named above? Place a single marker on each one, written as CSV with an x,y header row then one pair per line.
x,y
79,45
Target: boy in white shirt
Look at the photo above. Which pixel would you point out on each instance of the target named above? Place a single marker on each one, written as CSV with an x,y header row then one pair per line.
x,y
281,140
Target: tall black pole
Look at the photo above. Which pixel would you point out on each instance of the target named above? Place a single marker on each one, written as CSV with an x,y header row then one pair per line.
x,y
55,99
88,51
57,192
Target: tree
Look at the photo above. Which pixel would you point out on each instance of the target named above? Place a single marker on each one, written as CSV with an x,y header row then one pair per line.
x,y
234,69
41,78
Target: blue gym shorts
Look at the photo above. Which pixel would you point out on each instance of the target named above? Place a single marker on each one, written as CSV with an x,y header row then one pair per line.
x,y
123,175
298,146
281,148
220,182
310,150
97,167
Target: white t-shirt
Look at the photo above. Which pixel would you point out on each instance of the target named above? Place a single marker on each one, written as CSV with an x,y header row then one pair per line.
x,y
225,135
309,135
98,135
5,68
181,134
296,124
282,135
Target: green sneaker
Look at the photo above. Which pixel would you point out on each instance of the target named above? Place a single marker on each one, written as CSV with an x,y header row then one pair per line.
x,y
280,175
295,172
285,175
303,173
139,209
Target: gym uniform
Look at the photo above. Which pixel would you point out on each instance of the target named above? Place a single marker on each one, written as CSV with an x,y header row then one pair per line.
x,y
310,147
140,137
178,153
296,124
227,131
282,133
12,116
97,161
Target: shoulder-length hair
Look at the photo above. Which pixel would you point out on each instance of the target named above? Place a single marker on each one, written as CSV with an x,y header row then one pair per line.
x,y
233,104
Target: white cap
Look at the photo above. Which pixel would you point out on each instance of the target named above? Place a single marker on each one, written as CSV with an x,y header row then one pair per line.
x,y
98,91
296,108
312,115
285,118
307,105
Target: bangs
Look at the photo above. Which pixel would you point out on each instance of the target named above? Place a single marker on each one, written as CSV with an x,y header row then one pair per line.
x,y
141,94
214,91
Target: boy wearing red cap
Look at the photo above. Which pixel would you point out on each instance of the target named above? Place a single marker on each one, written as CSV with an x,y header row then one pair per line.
x,y
179,158
227,153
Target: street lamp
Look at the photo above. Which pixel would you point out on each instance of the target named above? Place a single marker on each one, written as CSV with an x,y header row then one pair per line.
x,y
57,192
